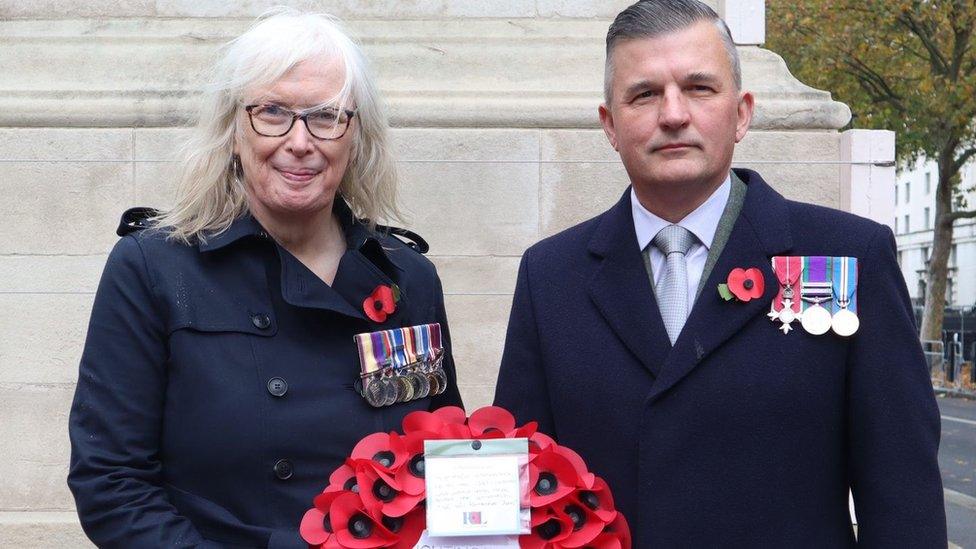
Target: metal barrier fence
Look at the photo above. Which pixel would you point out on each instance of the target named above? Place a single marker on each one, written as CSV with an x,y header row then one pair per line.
x,y
947,367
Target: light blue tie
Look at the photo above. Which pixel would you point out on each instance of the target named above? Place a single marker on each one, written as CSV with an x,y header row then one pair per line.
x,y
672,288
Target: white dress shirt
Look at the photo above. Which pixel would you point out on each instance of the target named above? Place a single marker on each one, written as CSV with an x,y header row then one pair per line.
x,y
703,222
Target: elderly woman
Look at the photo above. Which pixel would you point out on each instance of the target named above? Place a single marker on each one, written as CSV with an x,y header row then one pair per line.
x,y
220,381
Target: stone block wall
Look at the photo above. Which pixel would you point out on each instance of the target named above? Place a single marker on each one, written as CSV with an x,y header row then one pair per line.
x,y
494,106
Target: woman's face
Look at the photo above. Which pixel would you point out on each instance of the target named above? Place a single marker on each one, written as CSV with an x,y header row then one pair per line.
x,y
295,175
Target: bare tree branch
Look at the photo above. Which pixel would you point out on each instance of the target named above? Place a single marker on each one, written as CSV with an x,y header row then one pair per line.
x,y
936,58
961,160
952,216
882,90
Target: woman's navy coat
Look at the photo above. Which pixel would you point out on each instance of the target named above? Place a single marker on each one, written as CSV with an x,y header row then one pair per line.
x,y
215,392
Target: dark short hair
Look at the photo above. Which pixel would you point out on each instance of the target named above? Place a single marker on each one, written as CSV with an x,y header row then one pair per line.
x,y
652,18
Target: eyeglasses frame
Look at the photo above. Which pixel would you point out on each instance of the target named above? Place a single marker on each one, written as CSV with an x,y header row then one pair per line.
x,y
303,115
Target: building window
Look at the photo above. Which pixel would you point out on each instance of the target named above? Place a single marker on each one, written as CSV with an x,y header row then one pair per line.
x,y
926,215
925,255
908,192
906,228
896,224
896,194
928,182
952,256
899,256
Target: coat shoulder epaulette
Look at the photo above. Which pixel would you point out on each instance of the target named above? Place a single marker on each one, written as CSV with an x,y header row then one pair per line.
x,y
135,219
411,239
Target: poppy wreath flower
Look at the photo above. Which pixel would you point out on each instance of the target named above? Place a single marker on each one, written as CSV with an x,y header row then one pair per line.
x,y
410,476
551,477
316,527
599,500
381,493
376,498
409,527
355,527
587,525
381,303
550,526
342,479
743,284
616,535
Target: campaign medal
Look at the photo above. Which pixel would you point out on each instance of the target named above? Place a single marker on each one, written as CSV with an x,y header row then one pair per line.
x,y
814,290
845,322
438,358
370,382
404,389
421,385
391,377
786,306
412,361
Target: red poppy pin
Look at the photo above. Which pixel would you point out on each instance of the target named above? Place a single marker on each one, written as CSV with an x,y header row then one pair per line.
x,y
742,284
382,302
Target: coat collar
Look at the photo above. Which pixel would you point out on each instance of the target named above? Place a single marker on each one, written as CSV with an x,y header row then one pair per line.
x,y
366,264
621,289
357,232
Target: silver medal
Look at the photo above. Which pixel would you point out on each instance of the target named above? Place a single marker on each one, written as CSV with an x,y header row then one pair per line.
x,y
845,323
816,320
374,392
404,389
391,391
420,385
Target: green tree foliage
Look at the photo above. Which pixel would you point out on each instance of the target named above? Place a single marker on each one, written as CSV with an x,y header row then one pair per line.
x,y
902,65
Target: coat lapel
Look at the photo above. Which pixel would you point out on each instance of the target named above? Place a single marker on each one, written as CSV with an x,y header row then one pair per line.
x,y
761,231
621,291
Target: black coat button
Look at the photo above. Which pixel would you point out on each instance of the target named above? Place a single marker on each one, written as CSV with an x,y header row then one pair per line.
x,y
283,469
261,321
277,386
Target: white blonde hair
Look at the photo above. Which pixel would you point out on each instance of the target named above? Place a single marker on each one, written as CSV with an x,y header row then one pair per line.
x,y
211,192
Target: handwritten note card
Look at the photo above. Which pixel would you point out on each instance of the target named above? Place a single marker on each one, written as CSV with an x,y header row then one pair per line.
x,y
473,495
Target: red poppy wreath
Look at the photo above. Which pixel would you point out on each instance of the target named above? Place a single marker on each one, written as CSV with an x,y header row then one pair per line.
x,y
376,498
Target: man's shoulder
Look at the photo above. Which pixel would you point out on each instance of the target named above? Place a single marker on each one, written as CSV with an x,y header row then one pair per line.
x,y
566,243
815,226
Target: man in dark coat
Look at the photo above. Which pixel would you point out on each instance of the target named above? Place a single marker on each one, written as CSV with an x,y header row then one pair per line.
x,y
716,419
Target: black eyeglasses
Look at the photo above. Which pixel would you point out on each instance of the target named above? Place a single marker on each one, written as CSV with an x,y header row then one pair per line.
x,y
272,120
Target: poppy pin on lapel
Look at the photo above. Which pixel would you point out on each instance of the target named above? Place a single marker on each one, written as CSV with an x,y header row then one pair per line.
x,y
382,302
742,285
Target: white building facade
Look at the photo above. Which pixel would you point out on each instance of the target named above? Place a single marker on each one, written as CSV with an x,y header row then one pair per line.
x,y
913,225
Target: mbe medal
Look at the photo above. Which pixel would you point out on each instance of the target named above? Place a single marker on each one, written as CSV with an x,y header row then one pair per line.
x,y
814,290
845,322
786,305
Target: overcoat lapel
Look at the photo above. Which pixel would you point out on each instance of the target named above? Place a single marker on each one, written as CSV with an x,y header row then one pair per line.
x,y
621,291
761,231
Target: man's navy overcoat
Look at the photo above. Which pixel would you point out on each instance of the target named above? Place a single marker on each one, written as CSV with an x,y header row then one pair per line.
x,y
738,435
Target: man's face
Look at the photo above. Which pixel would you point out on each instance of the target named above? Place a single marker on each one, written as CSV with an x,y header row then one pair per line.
x,y
675,114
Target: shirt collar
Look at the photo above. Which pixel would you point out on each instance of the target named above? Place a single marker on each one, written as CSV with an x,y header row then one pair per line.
x,y
358,235
702,222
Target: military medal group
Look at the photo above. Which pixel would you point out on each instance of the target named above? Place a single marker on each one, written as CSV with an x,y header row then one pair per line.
x,y
819,292
401,364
